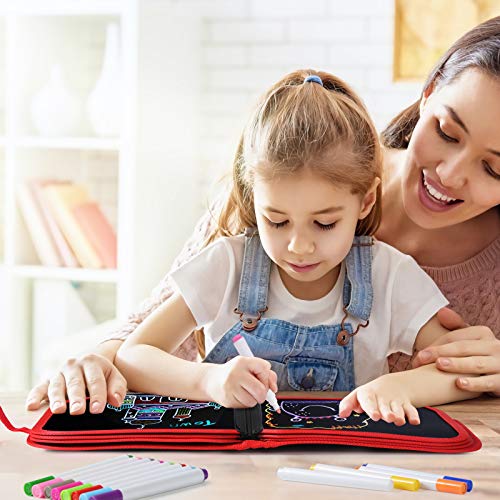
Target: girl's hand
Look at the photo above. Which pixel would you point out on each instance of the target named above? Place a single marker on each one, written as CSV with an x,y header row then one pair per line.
x,y
242,382
93,372
384,398
468,349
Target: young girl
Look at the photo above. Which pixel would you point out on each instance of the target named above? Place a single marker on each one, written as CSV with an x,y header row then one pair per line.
x,y
319,301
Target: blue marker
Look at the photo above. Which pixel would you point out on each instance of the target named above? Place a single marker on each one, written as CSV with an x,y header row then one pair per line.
x,y
416,474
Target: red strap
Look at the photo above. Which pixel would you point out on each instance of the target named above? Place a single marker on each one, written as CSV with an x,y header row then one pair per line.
x,y
6,422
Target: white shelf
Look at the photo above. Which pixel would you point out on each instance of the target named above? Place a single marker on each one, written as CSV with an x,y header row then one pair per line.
x,y
69,274
144,178
77,143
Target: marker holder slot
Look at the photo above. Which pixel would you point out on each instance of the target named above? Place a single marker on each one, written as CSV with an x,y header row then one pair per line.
x,y
248,421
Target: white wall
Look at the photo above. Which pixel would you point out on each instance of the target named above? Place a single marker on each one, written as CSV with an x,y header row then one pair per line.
x,y
249,44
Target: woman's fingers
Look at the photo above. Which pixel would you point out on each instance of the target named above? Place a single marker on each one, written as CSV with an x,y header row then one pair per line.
x,y
398,413
57,393
450,319
96,386
75,386
37,396
116,386
458,348
479,365
486,383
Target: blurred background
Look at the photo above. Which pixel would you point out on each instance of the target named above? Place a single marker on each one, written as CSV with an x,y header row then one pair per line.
x,y
119,117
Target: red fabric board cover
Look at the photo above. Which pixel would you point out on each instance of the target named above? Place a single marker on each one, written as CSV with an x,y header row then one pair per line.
x,y
148,421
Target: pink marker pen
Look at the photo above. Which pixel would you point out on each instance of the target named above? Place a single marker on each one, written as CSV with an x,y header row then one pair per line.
x,y
244,350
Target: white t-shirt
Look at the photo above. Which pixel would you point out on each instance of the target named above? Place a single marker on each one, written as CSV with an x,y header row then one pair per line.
x,y
404,299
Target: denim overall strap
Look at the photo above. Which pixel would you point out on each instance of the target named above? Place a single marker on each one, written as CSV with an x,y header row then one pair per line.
x,y
254,282
358,289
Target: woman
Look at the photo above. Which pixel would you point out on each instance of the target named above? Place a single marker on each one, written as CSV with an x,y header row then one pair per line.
x,y
441,205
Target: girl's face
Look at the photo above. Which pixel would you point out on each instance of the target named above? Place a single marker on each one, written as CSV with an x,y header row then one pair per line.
x,y
306,226
452,171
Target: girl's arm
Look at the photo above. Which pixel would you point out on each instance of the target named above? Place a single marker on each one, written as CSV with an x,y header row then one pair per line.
x,y
145,361
394,397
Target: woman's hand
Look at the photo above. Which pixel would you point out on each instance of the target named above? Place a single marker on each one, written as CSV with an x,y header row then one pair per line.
x,y
92,372
242,382
467,349
384,398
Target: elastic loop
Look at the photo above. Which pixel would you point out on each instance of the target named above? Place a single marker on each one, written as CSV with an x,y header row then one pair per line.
x,y
314,79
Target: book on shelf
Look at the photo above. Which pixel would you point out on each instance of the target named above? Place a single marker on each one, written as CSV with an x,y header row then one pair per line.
x,y
37,187
62,200
43,243
98,231
67,226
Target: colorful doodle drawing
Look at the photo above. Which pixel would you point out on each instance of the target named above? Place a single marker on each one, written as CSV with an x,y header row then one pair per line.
x,y
312,414
151,409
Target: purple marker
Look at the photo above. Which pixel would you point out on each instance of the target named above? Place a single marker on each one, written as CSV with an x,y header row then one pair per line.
x,y
187,476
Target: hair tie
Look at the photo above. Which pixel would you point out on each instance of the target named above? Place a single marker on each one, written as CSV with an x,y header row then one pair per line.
x,y
313,78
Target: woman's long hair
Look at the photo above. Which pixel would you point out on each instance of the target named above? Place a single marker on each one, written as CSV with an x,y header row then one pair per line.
x,y
478,48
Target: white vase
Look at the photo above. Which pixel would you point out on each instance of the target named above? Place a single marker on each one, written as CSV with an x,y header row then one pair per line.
x,y
54,110
104,102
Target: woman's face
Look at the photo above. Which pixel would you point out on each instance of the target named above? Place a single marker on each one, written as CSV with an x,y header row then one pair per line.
x,y
452,170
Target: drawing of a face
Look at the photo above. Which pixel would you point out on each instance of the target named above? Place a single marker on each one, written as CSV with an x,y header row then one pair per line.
x,y
309,410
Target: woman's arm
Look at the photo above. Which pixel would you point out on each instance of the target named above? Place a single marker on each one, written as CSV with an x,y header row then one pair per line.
x,y
94,371
145,362
467,349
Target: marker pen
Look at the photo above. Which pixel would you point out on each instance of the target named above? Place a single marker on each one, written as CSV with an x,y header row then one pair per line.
x,y
334,479
37,487
398,482
244,350
187,476
145,474
440,481
66,494
56,493
126,471
94,494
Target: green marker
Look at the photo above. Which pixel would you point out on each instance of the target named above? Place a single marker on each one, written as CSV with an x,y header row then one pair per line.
x,y
30,484
66,494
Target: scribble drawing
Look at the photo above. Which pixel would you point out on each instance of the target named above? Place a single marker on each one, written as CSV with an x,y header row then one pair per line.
x,y
313,414
150,409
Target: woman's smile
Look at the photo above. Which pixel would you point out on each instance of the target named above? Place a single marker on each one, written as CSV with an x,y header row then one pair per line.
x,y
434,197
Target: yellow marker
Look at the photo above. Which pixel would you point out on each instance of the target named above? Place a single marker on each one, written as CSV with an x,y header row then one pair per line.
x,y
398,482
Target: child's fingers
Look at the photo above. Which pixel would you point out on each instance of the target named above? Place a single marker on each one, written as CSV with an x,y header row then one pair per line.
x,y
398,412
37,396
253,386
242,396
369,403
385,409
411,414
347,405
273,381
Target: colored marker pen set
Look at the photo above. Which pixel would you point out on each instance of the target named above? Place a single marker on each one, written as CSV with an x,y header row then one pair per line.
x,y
375,477
121,478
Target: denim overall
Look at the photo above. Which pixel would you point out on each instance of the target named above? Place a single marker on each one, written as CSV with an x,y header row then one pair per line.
x,y
317,358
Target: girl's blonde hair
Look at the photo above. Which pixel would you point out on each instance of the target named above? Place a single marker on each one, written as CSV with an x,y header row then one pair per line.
x,y
297,125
